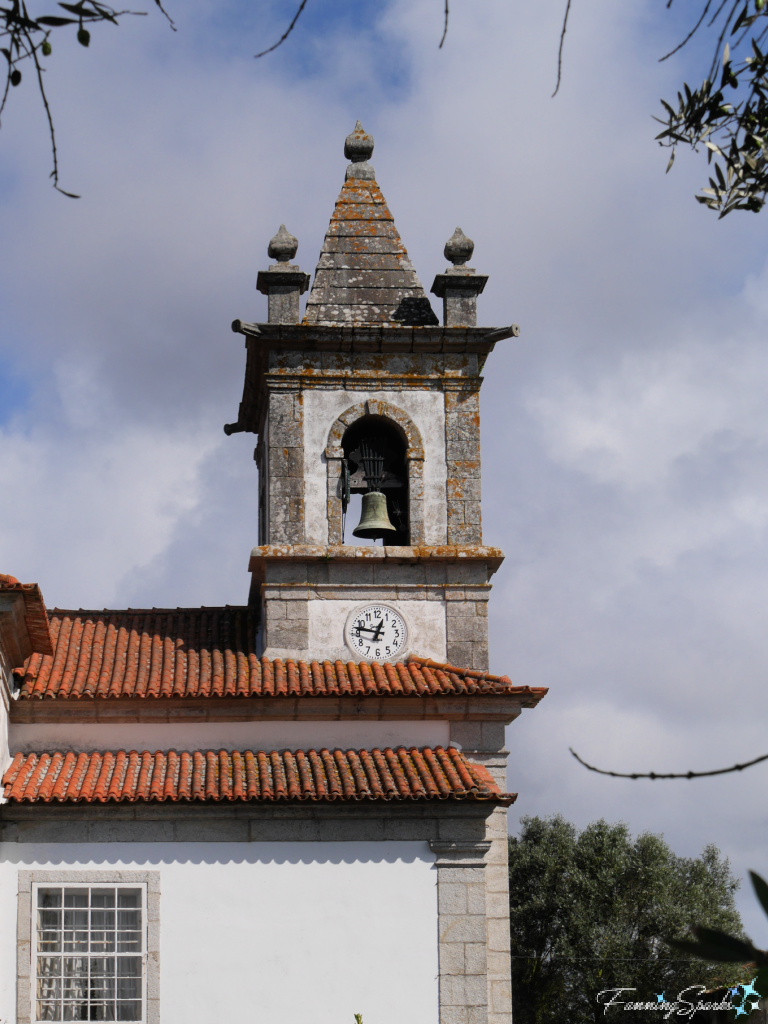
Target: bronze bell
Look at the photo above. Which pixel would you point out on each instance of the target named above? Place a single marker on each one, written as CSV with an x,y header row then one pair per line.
x,y
374,521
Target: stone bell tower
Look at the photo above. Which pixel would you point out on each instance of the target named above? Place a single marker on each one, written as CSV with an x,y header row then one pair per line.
x,y
369,394
368,369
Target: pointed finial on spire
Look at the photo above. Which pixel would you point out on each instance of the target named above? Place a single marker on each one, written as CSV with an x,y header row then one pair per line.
x,y
358,147
458,249
283,246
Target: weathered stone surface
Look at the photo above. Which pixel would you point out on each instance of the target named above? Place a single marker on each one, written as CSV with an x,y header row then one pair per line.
x,y
377,291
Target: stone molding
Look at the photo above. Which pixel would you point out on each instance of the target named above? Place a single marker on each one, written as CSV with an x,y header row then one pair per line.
x,y
429,553
453,853
375,407
26,879
375,821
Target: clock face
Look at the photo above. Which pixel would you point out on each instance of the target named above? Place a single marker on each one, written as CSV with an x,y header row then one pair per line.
x,y
376,632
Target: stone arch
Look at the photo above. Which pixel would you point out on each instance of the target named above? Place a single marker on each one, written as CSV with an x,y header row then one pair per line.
x,y
414,457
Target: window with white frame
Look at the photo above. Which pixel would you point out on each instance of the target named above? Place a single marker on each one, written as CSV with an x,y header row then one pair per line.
x,y
89,950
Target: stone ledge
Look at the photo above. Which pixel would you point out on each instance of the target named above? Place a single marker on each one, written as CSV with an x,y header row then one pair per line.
x,y
375,553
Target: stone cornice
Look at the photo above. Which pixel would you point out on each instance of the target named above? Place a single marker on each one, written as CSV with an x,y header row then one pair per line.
x,y
363,553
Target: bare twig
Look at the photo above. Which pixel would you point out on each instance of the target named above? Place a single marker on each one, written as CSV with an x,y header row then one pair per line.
x,y
670,775
445,29
55,171
690,35
158,4
27,38
285,34
560,50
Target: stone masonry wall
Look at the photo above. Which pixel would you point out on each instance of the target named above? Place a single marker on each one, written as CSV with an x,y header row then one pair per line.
x,y
461,909
466,615
291,586
462,452
484,743
286,467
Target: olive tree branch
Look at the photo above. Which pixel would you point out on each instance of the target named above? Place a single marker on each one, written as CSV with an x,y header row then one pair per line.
x,y
560,49
285,34
670,775
25,37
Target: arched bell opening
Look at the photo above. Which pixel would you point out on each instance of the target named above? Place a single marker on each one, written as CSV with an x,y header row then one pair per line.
x,y
375,466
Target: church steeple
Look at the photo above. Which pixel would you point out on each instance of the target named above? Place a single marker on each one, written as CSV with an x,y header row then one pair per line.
x,y
364,276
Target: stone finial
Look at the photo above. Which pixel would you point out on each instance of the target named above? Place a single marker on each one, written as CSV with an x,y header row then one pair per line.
x,y
458,249
459,286
283,246
283,282
358,147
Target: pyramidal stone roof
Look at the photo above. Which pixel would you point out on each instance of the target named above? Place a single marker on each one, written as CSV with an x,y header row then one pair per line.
x,y
364,276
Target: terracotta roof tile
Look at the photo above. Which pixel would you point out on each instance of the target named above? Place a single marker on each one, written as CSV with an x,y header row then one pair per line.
x,y
210,652
128,776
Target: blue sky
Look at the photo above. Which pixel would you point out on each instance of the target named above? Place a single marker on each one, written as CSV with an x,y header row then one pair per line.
x,y
625,441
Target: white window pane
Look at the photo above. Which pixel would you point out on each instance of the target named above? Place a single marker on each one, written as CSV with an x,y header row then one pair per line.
x,y
129,1010
93,986
49,988
48,1011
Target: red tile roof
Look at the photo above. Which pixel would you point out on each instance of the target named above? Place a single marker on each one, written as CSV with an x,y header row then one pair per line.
x,y
319,775
210,652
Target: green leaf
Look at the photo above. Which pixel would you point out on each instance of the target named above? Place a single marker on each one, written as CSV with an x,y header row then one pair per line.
x,y
761,889
705,950
55,22
671,161
83,36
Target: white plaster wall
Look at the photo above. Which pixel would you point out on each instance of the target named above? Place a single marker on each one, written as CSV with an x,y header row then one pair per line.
x,y
307,933
425,408
226,735
425,621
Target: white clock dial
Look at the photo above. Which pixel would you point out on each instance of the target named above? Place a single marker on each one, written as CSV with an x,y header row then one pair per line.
x,y
376,632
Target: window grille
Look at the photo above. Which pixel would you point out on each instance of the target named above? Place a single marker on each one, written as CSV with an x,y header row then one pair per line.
x,y
89,953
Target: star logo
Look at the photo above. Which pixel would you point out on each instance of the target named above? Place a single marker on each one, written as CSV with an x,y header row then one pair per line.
x,y
750,990
659,998
750,998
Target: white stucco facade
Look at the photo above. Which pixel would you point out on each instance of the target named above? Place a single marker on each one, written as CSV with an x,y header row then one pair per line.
x,y
425,621
255,735
310,933
321,410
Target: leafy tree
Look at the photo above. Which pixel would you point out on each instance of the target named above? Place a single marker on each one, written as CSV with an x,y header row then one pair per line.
x,y
594,910
728,113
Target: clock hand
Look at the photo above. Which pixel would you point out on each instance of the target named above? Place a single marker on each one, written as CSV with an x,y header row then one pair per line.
x,y
378,630
366,629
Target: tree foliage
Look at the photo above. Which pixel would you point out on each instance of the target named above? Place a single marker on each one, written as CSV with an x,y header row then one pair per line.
x,y
595,910
728,114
